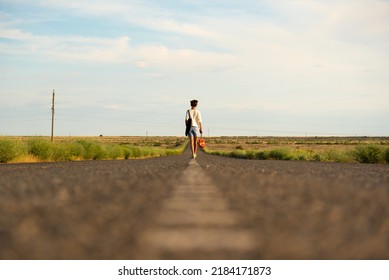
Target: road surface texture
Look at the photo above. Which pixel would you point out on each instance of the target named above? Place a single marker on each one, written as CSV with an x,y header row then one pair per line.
x,y
209,208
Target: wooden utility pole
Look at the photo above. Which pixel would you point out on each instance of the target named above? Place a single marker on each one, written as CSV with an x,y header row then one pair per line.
x,y
52,117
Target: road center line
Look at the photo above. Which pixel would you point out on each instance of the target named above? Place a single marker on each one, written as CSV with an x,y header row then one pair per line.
x,y
196,218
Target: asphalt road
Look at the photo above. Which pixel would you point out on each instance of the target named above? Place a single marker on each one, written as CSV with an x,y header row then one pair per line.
x,y
209,208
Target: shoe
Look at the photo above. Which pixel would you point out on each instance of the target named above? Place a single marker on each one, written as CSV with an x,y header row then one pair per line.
x,y
194,156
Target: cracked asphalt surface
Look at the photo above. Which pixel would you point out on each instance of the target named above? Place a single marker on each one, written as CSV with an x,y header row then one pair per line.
x,y
123,209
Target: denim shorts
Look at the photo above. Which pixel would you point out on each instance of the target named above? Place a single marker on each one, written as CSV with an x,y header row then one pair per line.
x,y
194,131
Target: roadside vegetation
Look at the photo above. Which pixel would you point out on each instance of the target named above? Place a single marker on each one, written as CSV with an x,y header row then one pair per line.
x,y
37,149
327,149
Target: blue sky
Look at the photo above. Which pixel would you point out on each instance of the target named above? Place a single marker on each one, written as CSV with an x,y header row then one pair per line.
x,y
286,67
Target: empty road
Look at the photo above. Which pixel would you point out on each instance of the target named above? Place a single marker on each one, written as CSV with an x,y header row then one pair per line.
x,y
209,208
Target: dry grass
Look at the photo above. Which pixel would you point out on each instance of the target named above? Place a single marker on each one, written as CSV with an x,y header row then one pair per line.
x,y
303,143
35,149
332,149
160,141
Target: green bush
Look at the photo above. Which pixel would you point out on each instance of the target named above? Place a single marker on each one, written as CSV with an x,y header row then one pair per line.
x,y
8,150
92,149
316,157
60,152
76,150
126,153
135,152
170,152
238,154
100,153
386,155
262,155
67,151
300,155
280,154
41,148
132,152
250,154
362,153
368,153
145,152
114,151
334,155
44,150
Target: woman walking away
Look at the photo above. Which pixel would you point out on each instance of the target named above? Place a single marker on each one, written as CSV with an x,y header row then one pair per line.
x,y
196,127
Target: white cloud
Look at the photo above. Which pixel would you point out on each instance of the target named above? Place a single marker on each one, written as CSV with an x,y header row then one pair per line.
x,y
98,7
173,26
295,57
145,14
141,64
107,50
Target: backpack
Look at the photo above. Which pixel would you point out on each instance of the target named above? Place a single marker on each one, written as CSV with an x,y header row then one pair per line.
x,y
188,124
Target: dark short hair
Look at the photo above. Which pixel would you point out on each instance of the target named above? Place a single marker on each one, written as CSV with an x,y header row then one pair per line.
x,y
193,103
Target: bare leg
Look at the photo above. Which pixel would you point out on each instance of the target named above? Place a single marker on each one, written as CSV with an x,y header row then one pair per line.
x,y
192,145
195,144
